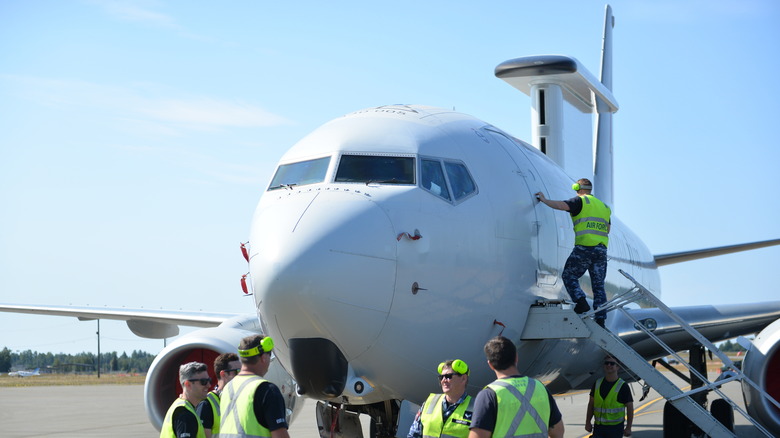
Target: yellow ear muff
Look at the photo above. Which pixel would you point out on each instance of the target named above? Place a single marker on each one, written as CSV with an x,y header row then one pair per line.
x,y
460,367
575,186
267,343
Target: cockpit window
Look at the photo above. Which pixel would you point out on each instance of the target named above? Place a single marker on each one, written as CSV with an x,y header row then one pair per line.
x,y
449,180
300,173
460,180
432,178
376,169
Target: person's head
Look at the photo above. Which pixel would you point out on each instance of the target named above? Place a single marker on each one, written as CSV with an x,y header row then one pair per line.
x,y
583,186
195,380
501,353
610,365
453,377
226,366
255,353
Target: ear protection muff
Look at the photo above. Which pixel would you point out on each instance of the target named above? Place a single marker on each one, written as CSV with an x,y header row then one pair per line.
x,y
576,187
266,345
458,366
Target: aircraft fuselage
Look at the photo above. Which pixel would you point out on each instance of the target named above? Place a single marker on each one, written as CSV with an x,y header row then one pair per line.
x,y
368,265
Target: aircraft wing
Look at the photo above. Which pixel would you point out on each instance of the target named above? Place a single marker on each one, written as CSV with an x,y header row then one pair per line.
x,y
146,323
684,256
716,323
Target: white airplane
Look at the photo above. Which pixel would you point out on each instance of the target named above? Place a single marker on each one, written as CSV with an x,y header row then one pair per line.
x,y
393,238
24,373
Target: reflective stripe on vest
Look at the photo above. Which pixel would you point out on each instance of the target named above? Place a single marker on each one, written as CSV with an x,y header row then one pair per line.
x,y
237,407
457,424
213,400
608,411
591,225
167,428
518,414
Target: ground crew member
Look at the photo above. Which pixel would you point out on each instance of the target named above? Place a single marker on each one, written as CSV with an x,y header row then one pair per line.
x,y
250,405
181,420
447,414
591,219
610,404
226,366
513,401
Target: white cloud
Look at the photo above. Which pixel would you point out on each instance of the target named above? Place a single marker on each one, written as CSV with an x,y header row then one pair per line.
x,y
170,114
203,111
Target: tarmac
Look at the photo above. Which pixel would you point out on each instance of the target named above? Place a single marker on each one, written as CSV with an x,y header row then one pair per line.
x,y
118,411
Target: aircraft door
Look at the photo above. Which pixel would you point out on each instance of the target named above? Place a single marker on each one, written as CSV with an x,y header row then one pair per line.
x,y
545,235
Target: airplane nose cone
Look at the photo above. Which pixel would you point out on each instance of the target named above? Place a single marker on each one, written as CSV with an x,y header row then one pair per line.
x,y
323,266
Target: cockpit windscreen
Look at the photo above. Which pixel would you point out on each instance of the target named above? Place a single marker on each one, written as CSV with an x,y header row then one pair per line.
x,y
300,173
376,169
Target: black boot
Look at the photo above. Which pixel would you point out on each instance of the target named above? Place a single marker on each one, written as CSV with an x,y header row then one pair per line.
x,y
582,306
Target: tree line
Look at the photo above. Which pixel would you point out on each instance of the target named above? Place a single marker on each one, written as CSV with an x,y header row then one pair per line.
x,y
136,362
731,347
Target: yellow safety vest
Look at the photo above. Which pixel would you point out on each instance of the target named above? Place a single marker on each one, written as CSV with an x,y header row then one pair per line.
x,y
213,399
167,427
237,407
457,424
608,411
518,414
591,225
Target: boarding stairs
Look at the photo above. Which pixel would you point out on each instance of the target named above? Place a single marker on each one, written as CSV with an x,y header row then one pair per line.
x,y
555,321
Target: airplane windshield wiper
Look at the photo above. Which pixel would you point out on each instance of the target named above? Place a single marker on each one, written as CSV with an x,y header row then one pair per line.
x,y
382,181
283,186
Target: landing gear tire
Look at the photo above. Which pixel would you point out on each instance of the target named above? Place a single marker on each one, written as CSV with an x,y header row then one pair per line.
x,y
676,425
723,412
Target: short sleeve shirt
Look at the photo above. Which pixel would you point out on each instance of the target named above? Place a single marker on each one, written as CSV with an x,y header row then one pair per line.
x,y
575,205
185,423
269,407
206,414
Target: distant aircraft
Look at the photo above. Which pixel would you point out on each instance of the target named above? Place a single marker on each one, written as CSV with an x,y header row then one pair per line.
x,y
35,372
396,237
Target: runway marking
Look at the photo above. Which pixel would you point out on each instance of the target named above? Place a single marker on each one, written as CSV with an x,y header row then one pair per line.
x,y
569,394
647,404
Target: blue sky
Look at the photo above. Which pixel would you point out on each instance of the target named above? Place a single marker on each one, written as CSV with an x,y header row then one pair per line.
x,y
137,137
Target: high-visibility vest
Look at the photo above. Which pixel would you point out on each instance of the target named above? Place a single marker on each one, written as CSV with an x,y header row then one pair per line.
x,y
213,399
236,405
518,413
167,427
608,411
591,225
457,424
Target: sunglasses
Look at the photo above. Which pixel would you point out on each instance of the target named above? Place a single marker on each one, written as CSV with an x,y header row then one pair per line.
x,y
610,363
448,376
234,370
203,382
